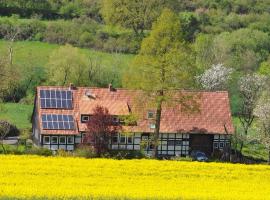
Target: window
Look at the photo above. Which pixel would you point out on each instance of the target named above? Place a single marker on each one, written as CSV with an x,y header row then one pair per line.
x,y
115,119
85,118
62,140
46,139
70,140
221,145
152,126
129,139
170,142
215,145
122,139
150,114
115,139
54,140
178,143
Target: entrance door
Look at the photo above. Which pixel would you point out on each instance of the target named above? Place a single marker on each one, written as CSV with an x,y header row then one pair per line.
x,y
202,142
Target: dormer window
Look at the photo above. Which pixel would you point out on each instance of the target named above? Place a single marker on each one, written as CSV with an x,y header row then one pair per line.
x,y
85,118
150,114
152,126
115,119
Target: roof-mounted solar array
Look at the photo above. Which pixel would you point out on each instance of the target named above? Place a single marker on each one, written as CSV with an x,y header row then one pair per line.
x,y
57,122
56,99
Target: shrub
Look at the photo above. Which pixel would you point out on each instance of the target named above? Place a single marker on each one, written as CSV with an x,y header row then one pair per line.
x,y
63,153
39,151
86,39
12,149
85,151
126,154
13,130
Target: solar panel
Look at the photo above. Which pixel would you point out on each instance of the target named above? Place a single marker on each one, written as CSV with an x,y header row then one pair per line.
x,y
56,99
57,122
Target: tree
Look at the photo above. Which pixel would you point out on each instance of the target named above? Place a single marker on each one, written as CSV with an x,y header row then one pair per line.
x,y
190,25
66,65
250,88
4,130
215,78
135,14
262,111
100,129
162,65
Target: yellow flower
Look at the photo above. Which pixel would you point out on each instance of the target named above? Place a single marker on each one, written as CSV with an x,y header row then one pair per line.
x,y
34,177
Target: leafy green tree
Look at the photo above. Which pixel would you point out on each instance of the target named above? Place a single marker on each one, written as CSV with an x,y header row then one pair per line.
x,y
162,65
265,68
135,14
242,49
190,25
66,65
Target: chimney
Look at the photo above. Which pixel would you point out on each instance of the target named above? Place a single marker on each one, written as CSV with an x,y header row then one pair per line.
x,y
111,87
72,86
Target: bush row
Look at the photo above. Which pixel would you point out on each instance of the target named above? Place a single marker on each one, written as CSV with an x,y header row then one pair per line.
x,y
81,32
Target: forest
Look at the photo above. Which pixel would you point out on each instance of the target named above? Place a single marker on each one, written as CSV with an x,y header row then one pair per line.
x,y
211,44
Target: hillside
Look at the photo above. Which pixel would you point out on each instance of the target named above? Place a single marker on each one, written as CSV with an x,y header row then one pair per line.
x,y
39,53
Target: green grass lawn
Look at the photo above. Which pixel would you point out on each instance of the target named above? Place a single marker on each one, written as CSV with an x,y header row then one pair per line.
x,y
38,53
17,114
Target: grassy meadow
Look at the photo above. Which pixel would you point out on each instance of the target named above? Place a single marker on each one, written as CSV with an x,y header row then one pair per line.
x,y
38,53
17,114
34,177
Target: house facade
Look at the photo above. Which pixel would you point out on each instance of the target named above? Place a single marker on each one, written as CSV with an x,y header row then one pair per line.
x,y
61,113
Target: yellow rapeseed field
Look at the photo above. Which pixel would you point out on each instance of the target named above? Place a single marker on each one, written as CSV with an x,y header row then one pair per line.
x,y
33,177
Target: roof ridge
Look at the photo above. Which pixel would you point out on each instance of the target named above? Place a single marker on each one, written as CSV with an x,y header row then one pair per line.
x,y
127,89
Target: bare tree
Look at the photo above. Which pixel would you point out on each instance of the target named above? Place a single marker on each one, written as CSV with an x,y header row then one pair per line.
x,y
4,130
215,78
262,111
250,88
11,35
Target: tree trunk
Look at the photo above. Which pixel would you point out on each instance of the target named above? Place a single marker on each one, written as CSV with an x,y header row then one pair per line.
x,y
241,148
10,49
157,127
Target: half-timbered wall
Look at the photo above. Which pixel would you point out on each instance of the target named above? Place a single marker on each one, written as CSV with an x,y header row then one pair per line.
x,y
55,142
130,141
221,141
169,144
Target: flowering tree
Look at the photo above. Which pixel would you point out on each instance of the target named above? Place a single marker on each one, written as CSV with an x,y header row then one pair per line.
x,y
215,78
250,88
262,111
100,128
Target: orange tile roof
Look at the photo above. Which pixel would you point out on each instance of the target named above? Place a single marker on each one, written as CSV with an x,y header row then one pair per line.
x,y
213,115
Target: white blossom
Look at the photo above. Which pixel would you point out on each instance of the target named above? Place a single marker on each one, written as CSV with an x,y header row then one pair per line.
x,y
215,78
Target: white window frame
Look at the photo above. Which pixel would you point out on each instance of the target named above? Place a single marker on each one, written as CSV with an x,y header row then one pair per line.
x,y
68,137
52,139
129,137
115,136
152,126
115,119
122,136
221,145
60,139
44,139
85,120
216,145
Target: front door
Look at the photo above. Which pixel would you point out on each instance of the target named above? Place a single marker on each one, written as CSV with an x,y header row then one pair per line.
x,y
202,142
